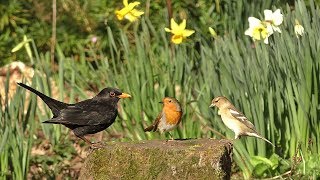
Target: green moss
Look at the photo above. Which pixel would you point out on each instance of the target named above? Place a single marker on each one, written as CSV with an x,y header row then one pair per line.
x,y
156,160
157,165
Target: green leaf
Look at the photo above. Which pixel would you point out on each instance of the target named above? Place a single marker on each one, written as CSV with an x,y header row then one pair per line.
x,y
256,160
21,44
260,169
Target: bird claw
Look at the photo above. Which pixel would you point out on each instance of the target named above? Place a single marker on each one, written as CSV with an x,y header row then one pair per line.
x,y
169,140
97,145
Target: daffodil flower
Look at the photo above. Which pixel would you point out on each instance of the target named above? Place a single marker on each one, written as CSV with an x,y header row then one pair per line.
x,y
258,30
129,12
179,31
274,18
298,29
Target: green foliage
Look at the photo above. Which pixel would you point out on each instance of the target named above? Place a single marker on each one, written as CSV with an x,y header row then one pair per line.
x,y
56,162
274,165
79,21
275,85
16,130
12,17
311,166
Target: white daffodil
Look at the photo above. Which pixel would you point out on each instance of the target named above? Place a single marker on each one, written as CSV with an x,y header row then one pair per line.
x,y
274,18
298,29
258,30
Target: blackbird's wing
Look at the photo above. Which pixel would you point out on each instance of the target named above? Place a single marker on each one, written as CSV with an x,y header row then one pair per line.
x,y
241,117
85,115
154,126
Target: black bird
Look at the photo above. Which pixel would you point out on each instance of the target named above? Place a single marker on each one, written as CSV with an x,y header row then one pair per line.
x,y
86,117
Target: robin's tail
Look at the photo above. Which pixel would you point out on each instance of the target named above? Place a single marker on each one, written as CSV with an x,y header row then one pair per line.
x,y
53,104
150,128
260,137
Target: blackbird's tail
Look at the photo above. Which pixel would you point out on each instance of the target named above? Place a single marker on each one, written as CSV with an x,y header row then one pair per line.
x,y
54,105
52,121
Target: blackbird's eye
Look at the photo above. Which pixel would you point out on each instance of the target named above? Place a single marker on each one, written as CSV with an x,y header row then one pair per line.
x,y
112,94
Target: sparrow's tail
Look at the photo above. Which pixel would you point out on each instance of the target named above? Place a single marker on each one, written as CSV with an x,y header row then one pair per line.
x,y
53,104
260,137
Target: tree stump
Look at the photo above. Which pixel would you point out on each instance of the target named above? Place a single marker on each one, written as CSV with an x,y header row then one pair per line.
x,y
158,159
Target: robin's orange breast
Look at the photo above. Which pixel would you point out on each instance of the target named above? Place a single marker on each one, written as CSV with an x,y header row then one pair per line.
x,y
172,116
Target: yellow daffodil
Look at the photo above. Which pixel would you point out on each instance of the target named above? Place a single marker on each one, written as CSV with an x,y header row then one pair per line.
x,y
179,31
298,29
213,33
129,12
258,30
274,18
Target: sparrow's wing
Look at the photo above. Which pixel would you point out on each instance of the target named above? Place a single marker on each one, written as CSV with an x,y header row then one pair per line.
x,y
75,115
154,126
241,117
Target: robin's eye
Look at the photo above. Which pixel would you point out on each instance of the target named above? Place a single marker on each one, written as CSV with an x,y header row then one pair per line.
x,y
169,101
112,94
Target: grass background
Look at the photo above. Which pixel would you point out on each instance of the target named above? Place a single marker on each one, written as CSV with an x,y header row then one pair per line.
x,y
275,85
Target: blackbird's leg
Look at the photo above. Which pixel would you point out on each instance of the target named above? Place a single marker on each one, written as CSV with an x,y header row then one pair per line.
x,y
85,139
92,145
80,132
97,145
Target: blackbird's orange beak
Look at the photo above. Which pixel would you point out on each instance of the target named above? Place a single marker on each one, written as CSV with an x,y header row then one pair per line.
x,y
124,95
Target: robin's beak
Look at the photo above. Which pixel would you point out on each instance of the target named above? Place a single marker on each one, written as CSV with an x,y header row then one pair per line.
x,y
124,95
211,105
161,102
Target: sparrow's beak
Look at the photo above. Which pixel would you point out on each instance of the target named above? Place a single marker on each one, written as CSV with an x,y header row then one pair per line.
x,y
124,95
211,105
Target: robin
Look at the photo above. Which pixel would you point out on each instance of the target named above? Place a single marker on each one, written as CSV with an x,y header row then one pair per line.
x,y
86,117
169,117
234,119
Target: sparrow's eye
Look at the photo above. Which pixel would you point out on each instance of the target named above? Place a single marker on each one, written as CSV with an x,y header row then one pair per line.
x,y
112,94
216,101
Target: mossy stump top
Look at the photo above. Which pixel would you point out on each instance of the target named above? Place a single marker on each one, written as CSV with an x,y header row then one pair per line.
x,y
158,159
